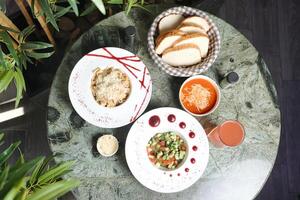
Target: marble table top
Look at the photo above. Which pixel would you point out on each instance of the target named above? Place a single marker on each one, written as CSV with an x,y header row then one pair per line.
x,y
232,173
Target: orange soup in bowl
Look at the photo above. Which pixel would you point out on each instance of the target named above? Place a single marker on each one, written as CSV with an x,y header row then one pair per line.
x,y
198,95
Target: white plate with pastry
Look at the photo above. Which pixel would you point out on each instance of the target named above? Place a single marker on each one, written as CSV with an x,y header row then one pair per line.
x,y
110,87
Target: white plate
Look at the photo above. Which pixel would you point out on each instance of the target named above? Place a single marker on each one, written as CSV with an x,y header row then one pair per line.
x,y
161,180
81,95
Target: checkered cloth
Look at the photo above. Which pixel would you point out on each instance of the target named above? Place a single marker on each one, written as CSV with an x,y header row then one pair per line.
x,y
214,43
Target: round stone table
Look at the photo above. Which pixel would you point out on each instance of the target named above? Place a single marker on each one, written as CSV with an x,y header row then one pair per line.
x,y
232,173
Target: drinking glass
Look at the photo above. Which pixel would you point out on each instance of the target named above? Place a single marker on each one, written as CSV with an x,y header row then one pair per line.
x,y
230,133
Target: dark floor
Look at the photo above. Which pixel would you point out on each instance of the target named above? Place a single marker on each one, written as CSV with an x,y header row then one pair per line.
x,y
273,26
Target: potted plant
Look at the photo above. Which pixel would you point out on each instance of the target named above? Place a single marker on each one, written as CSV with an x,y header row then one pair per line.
x,y
32,179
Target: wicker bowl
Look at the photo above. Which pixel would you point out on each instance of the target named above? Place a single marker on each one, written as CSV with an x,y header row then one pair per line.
x,y
214,43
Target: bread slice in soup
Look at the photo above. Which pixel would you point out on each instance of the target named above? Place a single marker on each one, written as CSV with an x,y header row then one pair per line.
x,y
182,55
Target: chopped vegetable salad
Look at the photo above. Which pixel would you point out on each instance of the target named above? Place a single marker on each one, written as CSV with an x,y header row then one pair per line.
x,y
166,150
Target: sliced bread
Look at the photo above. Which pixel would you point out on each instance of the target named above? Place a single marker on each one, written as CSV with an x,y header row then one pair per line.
x,y
182,55
166,40
169,22
199,39
192,24
199,21
190,28
168,33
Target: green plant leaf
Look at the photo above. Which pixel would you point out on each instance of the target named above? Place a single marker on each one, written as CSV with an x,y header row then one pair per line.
x,y
62,11
74,6
16,173
35,45
135,3
5,28
115,2
49,14
45,166
35,172
3,5
23,60
19,92
88,10
32,8
22,195
5,79
20,74
37,56
8,41
20,160
3,176
28,59
53,190
142,7
26,32
1,139
2,59
100,5
13,192
55,172
1,136
5,155
129,6
20,85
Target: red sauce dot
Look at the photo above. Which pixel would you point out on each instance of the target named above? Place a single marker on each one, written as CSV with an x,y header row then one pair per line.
x,y
171,118
178,174
195,148
192,134
186,169
193,160
182,125
170,175
154,121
